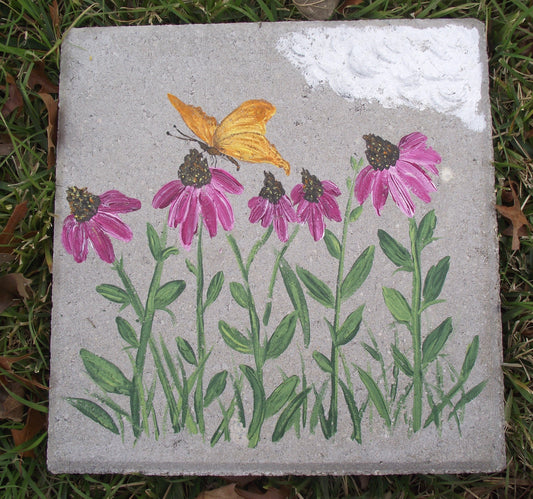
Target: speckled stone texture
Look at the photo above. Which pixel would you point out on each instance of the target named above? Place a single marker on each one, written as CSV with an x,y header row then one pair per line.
x,y
245,354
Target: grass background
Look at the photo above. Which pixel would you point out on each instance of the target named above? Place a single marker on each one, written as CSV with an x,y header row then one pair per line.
x,y
30,34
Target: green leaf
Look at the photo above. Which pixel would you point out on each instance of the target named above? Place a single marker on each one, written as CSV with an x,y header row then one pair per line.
x,y
435,341
168,293
375,395
281,394
154,242
297,297
186,351
400,360
216,387
470,358
215,286
354,412
268,311
190,267
350,327
285,418
171,250
395,252
468,397
372,351
254,430
239,294
435,279
424,233
332,244
105,374
323,362
358,273
317,289
282,337
94,412
397,305
355,214
126,332
113,293
234,339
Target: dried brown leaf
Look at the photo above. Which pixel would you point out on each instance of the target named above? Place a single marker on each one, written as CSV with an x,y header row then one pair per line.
x,y
316,10
14,99
6,236
7,362
12,288
55,17
10,408
226,492
39,81
35,422
519,223
51,129
6,145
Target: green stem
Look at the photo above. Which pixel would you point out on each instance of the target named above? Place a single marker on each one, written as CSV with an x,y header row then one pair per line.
x,y
415,328
333,407
200,331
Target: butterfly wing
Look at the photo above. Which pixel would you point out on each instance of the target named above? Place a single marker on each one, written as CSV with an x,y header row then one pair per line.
x,y
241,135
202,125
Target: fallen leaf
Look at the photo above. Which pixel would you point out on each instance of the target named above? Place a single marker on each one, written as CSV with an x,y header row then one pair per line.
x,y
39,81
12,288
348,3
6,236
51,129
226,492
519,223
10,408
56,19
14,99
316,10
6,145
7,362
35,422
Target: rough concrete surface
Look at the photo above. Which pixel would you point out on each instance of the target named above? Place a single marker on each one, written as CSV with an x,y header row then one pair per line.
x,y
200,378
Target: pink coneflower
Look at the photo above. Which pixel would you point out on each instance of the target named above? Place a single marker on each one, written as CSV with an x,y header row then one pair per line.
x,y
315,200
272,206
199,190
398,169
93,219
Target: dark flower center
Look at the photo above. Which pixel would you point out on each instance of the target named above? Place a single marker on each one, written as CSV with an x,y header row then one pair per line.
x,y
312,187
83,204
380,153
273,191
194,170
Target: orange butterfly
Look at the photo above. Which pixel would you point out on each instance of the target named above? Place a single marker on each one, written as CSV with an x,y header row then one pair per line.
x,y
240,135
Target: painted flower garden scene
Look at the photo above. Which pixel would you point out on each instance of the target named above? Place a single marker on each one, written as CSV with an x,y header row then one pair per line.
x,y
175,383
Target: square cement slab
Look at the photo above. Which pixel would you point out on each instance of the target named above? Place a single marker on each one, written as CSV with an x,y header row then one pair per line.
x,y
301,276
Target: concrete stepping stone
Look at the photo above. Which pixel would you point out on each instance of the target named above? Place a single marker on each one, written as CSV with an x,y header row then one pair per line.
x,y
276,251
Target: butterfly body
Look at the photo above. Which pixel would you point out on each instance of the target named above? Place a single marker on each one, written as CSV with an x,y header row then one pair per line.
x,y
239,136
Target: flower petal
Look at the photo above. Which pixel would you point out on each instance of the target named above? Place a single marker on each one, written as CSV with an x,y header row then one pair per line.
x,y
209,213
316,222
331,188
415,179
168,193
297,194
268,215
113,226
330,207
258,207
413,150
189,225
116,202
222,180
281,227
74,238
223,208
100,241
180,207
380,189
400,194
286,209
364,183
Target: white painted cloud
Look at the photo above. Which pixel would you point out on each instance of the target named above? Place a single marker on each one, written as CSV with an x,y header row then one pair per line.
x,y
435,68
